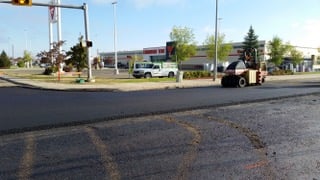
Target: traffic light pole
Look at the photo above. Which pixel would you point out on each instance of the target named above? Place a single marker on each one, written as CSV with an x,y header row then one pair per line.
x,y
86,25
84,7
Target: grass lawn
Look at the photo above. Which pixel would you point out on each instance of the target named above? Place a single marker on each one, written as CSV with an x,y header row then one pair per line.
x,y
72,79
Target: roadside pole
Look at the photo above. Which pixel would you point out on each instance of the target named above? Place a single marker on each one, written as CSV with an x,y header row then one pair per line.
x,y
86,24
215,62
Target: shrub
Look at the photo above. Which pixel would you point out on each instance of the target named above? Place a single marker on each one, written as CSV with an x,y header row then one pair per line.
x,y
196,74
281,72
48,71
68,68
21,63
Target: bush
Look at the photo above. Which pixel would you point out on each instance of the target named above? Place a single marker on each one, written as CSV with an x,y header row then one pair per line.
x,y
48,71
196,74
68,68
21,64
281,72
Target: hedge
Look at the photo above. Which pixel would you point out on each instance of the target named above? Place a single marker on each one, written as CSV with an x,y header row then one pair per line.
x,y
196,74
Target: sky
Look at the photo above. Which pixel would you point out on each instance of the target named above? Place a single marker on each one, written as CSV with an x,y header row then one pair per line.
x,y
148,23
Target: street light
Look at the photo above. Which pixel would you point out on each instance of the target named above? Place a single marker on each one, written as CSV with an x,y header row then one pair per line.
x,y
116,71
26,39
215,62
219,26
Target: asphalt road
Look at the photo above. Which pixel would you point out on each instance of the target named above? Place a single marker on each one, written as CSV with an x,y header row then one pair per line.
x,y
275,139
24,109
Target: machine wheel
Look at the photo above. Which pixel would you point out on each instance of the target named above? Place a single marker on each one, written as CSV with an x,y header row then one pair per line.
x,y
147,75
170,75
241,82
229,81
225,81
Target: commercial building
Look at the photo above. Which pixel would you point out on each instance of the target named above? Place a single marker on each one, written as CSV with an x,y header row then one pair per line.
x,y
201,62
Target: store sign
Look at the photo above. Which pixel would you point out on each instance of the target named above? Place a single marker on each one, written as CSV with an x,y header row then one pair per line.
x,y
170,49
53,17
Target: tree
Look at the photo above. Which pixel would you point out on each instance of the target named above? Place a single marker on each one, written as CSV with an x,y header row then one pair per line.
x,y
223,48
131,62
250,42
27,59
318,58
277,50
184,43
4,60
296,56
77,56
54,55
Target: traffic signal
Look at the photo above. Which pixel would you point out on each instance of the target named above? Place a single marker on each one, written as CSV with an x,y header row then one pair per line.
x,y
86,44
21,2
89,43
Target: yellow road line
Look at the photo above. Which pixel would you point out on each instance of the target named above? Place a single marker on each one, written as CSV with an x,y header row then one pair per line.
x,y
27,160
109,164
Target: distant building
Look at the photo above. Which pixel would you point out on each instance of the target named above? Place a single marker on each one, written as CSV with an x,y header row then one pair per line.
x,y
200,61
123,57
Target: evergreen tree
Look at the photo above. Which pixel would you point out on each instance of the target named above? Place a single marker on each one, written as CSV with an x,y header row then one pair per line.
x,y
77,57
250,42
4,60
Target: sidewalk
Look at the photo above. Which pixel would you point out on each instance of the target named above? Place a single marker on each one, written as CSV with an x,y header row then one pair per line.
x,y
133,86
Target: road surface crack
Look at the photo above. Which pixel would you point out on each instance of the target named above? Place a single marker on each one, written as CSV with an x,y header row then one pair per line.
x,y
256,142
27,160
190,156
107,160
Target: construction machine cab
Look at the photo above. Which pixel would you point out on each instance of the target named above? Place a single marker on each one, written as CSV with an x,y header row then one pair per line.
x,y
250,58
